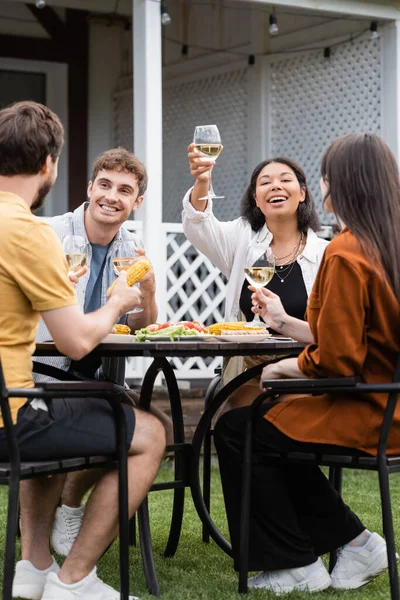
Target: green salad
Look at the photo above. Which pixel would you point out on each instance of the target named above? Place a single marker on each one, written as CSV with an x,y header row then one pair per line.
x,y
174,332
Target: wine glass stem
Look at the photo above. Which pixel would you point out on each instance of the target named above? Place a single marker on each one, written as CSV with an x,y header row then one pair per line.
x,y
210,188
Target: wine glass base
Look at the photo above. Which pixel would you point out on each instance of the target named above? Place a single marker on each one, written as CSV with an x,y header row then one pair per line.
x,y
135,310
212,197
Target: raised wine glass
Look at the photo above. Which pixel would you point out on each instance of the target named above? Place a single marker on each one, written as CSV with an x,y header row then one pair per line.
x,y
259,269
207,140
122,257
76,250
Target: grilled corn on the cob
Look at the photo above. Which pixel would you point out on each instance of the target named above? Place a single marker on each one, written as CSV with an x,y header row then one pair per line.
x,y
121,329
217,328
134,273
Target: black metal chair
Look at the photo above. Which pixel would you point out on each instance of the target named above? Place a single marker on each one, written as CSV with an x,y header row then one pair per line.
x,y
12,472
114,369
382,463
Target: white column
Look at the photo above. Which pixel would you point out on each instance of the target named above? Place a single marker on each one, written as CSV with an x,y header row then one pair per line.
x,y
147,94
391,86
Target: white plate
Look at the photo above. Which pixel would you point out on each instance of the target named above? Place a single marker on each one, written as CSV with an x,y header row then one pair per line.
x,y
244,337
118,338
182,338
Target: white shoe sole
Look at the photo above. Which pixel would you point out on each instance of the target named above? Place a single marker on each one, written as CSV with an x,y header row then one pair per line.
x,y
313,584
379,566
316,584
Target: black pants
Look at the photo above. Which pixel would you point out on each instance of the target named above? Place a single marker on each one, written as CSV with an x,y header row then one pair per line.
x,y
296,515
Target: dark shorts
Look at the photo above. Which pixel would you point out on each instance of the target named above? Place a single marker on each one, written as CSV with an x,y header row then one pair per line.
x,y
71,428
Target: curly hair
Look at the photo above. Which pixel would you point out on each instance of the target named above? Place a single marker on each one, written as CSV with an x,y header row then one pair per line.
x,y
307,216
120,159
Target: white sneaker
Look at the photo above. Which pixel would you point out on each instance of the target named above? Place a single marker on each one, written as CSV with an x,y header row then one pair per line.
x,y
89,588
28,581
311,578
66,526
357,567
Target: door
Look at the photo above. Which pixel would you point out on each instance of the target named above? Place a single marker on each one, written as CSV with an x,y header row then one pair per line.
x,y
46,83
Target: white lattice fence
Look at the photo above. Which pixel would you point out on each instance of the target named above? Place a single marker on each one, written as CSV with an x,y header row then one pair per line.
x,y
314,99
211,96
195,290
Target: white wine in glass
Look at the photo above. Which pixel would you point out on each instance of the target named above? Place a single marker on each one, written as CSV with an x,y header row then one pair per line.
x,y
207,140
76,261
259,276
76,250
210,150
123,255
259,269
122,263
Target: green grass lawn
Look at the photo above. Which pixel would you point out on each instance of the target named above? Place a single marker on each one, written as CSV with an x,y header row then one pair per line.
x,y
202,571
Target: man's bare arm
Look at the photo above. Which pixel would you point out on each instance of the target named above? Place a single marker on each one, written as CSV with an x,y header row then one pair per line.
x,y
76,334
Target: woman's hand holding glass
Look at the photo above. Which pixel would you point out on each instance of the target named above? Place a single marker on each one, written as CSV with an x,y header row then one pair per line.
x,y
259,269
269,306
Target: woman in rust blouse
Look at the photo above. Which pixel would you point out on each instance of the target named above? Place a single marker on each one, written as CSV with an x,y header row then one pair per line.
x,y
354,317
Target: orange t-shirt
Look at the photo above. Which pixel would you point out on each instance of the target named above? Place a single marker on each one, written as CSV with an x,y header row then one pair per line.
x,y
33,278
355,320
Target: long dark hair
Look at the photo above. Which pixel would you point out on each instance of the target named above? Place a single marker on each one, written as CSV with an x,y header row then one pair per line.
x,y
307,216
363,179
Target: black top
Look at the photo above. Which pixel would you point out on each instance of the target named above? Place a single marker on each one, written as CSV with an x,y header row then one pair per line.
x,y
292,292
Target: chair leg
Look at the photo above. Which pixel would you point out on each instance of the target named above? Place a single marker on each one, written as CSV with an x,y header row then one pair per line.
x,y
206,481
387,519
123,510
11,534
210,393
147,550
245,510
132,531
336,479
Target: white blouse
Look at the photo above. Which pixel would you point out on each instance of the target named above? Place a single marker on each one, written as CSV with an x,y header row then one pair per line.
x,y
225,244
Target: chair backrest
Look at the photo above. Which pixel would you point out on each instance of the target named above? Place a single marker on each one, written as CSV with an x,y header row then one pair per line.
x,y
3,389
8,424
389,413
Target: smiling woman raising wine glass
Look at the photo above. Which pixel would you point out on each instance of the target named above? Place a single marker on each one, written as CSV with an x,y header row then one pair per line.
x,y
277,211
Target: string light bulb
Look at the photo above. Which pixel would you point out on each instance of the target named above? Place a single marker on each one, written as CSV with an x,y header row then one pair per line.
x,y
165,16
374,30
273,24
40,3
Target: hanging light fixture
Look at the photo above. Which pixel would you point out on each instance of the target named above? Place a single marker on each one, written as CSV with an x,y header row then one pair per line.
x,y
273,24
40,3
374,30
165,16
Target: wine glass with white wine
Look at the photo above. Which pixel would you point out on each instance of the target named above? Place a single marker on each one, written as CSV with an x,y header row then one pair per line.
x,y
76,252
207,140
122,257
259,269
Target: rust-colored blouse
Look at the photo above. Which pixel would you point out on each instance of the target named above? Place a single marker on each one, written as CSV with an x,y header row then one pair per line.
x,y
355,320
